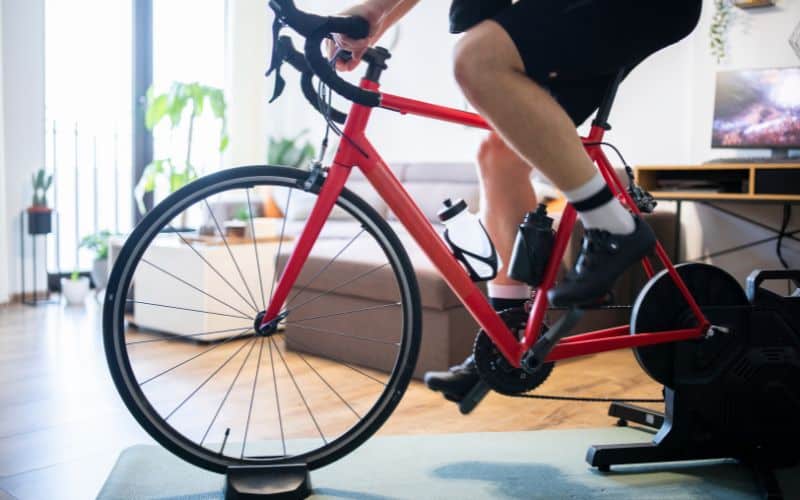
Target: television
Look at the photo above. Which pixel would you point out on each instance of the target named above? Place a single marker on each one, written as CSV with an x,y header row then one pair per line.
x,y
758,108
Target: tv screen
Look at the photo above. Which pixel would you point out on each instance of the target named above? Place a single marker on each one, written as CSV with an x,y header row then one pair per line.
x,y
757,108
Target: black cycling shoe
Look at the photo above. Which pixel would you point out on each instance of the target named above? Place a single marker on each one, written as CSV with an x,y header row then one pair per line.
x,y
604,257
456,382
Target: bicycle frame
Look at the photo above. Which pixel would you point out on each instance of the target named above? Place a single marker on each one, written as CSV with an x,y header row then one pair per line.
x,y
356,151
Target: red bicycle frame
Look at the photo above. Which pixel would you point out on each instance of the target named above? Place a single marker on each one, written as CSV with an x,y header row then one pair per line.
x,y
357,151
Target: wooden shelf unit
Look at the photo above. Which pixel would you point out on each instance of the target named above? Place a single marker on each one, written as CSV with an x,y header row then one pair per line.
x,y
740,181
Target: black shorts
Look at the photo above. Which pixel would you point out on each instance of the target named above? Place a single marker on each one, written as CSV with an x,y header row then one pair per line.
x,y
575,48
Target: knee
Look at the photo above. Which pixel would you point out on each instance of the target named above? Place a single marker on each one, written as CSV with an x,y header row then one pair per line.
x,y
489,150
475,61
498,161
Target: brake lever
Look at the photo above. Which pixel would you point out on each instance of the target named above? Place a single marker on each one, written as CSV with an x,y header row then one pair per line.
x,y
279,53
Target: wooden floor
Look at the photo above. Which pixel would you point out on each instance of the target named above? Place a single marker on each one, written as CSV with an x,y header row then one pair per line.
x,y
62,424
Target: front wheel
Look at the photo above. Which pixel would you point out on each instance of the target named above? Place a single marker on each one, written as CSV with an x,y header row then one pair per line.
x,y
191,283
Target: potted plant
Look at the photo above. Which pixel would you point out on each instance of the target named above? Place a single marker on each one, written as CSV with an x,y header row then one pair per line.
x,y
172,106
98,243
75,288
290,152
40,216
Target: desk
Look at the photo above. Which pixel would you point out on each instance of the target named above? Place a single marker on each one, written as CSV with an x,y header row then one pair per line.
x,y
739,182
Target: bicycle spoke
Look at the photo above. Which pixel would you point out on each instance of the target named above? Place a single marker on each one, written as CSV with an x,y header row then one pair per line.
x,y
195,356
318,273
230,252
340,285
189,335
252,397
331,332
255,247
227,393
204,382
134,301
194,287
391,304
197,252
296,386
367,375
326,383
280,244
208,395
277,398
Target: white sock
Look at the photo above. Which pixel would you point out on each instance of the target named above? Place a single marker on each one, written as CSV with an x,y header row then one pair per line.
x,y
508,291
610,216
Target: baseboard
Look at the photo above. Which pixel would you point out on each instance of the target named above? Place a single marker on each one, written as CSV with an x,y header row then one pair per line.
x,y
16,298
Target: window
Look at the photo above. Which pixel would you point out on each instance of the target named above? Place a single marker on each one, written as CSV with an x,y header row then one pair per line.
x,y
88,89
88,113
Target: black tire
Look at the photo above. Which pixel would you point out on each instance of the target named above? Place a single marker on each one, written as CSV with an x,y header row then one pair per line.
x,y
120,282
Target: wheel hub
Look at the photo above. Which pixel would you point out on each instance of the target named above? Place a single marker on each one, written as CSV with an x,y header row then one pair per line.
x,y
270,328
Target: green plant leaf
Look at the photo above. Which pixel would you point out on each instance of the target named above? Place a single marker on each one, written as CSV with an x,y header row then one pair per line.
x,y
223,142
178,98
217,101
196,93
157,109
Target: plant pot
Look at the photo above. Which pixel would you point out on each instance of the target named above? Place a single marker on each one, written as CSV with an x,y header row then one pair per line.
x,y
75,291
100,273
40,220
234,228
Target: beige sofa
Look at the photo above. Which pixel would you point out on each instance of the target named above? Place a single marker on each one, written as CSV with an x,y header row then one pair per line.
x,y
448,330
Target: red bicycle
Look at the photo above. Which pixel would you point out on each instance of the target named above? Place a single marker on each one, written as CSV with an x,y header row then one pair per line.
x,y
248,399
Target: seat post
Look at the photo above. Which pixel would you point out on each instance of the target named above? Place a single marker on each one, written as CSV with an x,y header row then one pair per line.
x,y
601,120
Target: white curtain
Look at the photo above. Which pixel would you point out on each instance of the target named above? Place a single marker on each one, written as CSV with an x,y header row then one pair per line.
x,y
5,223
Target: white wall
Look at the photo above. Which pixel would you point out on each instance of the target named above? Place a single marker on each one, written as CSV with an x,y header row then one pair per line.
x,y
23,115
4,225
757,39
246,59
662,114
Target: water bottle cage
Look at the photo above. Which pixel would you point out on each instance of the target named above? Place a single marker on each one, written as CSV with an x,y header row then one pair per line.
x,y
461,255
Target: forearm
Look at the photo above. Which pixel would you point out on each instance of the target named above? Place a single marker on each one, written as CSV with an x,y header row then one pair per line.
x,y
395,10
400,9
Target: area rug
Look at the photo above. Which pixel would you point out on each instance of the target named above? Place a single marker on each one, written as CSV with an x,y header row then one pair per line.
x,y
503,465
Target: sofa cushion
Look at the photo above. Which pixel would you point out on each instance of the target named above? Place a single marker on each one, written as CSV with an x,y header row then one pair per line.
x,y
361,259
429,184
430,195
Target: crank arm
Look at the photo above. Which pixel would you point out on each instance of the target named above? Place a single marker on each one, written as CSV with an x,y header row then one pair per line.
x,y
537,355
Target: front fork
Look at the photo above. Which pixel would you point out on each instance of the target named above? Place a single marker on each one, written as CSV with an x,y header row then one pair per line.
x,y
329,193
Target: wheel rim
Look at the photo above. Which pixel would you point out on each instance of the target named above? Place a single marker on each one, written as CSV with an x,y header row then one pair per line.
x,y
244,375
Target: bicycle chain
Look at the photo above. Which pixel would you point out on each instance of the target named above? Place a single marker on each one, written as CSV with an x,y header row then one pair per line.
x,y
585,399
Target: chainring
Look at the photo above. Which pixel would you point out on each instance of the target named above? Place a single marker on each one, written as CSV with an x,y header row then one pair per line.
x,y
493,367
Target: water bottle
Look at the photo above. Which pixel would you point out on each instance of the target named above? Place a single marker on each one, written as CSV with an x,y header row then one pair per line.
x,y
468,240
532,247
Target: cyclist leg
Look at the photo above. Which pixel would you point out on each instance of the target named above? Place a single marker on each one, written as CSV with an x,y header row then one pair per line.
x,y
504,65
506,195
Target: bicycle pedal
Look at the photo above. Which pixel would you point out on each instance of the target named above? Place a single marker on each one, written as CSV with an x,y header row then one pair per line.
x,y
473,397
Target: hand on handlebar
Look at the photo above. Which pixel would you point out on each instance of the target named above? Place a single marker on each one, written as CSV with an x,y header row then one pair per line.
x,y
375,16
